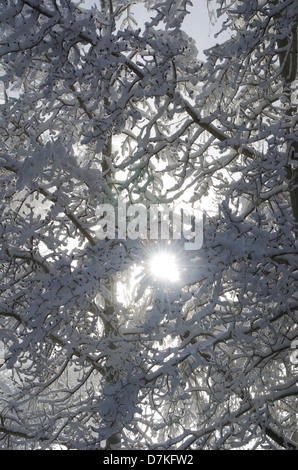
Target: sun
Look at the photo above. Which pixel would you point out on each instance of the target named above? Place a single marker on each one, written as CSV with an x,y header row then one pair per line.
x,y
163,267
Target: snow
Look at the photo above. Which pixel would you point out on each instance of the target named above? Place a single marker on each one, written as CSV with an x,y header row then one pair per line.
x,y
94,111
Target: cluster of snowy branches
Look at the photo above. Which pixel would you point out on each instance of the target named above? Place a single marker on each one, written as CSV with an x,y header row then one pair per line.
x,y
96,353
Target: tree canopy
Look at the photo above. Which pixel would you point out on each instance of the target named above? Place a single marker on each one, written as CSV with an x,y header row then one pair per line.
x,y
95,110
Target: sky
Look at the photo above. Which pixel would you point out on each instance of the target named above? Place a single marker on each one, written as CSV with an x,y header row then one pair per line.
x,y
197,24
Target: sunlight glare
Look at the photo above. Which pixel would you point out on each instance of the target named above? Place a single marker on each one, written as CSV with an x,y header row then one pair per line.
x,y
163,266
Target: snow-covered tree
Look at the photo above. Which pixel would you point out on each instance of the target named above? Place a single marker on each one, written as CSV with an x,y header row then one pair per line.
x,y
98,352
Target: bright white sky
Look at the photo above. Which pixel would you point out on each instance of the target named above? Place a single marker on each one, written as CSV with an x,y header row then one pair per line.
x,y
197,24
